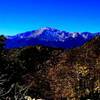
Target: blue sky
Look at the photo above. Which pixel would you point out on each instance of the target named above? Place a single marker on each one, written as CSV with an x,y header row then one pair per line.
x,y
18,16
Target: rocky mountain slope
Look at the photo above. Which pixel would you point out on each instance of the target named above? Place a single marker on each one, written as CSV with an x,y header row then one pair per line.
x,y
51,73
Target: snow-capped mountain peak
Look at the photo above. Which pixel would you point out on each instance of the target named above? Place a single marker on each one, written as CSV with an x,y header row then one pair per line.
x,y
49,37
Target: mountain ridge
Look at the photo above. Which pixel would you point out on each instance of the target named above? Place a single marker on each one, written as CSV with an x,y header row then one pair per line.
x,y
49,37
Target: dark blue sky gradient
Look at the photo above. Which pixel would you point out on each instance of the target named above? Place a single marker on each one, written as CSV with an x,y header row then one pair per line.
x,y
18,16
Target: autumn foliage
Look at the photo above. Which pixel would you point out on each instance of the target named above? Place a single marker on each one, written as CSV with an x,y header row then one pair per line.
x,y
50,73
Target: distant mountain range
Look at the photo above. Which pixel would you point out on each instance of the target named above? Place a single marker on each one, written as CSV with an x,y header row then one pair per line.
x,y
49,37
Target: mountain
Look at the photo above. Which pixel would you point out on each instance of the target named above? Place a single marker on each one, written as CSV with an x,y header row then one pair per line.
x,y
48,37
51,73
